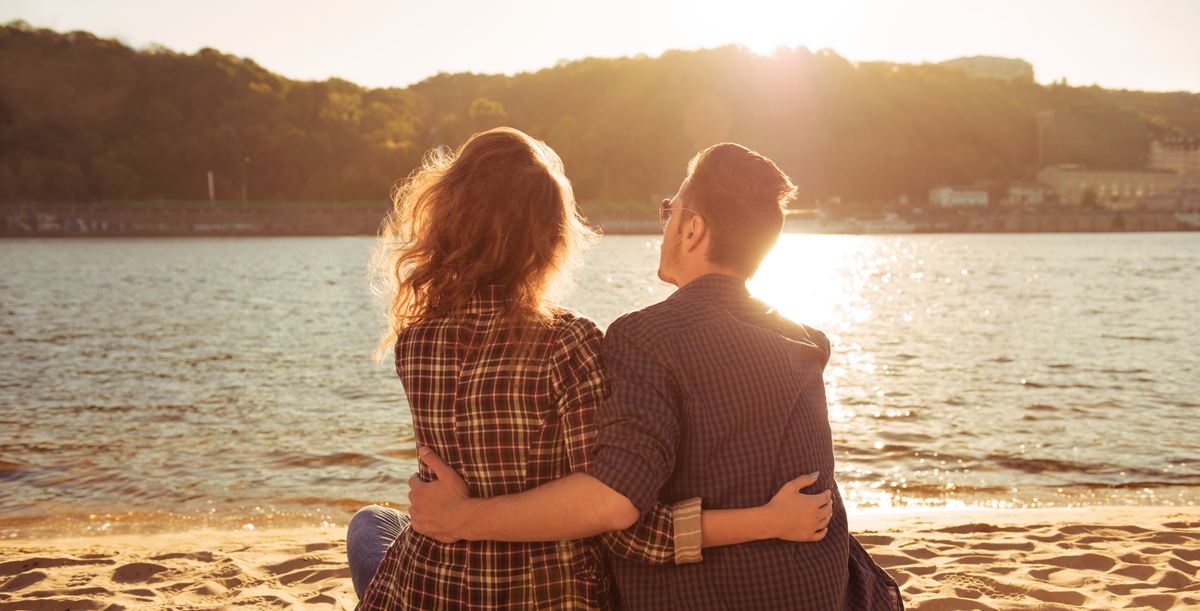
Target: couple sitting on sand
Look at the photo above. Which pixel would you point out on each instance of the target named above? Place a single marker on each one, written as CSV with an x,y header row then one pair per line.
x,y
563,468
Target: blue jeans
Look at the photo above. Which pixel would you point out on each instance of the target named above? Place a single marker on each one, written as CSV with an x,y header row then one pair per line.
x,y
372,531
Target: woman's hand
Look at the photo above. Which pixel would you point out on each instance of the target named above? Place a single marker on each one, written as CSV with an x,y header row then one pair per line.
x,y
438,509
794,516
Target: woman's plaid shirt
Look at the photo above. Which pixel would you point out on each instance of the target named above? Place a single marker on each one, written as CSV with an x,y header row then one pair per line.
x,y
508,420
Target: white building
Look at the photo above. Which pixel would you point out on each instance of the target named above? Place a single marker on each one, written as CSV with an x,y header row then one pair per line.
x,y
1179,154
950,197
1028,194
1115,189
1001,68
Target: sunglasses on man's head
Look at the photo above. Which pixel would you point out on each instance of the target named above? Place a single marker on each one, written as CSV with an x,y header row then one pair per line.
x,y
665,210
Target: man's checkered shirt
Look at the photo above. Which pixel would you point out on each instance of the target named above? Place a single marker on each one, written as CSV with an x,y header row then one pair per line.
x,y
715,395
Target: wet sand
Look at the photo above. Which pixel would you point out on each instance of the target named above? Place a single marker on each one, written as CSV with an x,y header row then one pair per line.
x,y
1028,559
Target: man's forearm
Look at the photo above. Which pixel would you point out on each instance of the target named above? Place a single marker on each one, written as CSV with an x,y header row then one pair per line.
x,y
574,507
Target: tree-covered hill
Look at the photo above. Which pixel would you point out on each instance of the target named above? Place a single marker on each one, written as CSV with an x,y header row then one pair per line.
x,y
84,118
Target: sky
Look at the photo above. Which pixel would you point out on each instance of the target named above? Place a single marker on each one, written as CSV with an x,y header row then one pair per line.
x,y
1146,44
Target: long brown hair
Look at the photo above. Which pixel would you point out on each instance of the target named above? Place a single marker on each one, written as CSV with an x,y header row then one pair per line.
x,y
499,211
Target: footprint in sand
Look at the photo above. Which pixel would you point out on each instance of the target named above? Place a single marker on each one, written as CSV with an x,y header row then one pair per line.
x,y
209,588
201,594
22,581
1181,525
1063,578
1062,597
137,572
871,540
921,553
1171,539
1140,572
1052,538
940,603
1087,562
968,529
319,547
313,576
888,561
1191,555
1001,570
97,555
288,566
1184,567
16,567
1173,580
1003,546
266,601
202,556
1154,601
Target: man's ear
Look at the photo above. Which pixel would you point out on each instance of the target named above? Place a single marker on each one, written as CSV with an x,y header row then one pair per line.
x,y
694,233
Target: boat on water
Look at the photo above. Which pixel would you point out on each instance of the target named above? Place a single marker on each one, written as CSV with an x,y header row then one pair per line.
x,y
1191,218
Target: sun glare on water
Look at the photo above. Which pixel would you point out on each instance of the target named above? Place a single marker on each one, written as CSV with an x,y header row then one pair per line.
x,y
816,280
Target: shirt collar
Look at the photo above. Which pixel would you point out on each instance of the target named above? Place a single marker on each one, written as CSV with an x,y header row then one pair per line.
x,y
717,283
487,298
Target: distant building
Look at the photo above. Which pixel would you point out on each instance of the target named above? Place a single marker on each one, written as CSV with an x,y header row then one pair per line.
x,y
950,197
1028,194
1183,199
1095,136
1116,189
1179,154
1001,68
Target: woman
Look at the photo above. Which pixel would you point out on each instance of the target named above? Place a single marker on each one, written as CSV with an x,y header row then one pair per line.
x,y
502,384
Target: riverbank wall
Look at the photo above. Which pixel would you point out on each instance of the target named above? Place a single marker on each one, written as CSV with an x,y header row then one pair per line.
x,y
1065,220
49,220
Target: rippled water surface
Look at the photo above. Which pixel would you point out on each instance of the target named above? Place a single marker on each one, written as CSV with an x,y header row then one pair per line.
x,y
168,384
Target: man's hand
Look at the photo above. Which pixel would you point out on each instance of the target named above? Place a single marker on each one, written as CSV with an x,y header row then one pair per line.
x,y
439,509
799,517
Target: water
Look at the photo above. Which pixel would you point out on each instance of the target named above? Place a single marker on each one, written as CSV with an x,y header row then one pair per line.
x,y
154,384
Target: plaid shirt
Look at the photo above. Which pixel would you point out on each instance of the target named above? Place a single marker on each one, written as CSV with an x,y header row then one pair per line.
x,y
716,395
509,421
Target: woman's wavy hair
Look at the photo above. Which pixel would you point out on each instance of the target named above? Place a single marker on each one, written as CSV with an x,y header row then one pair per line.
x,y
498,211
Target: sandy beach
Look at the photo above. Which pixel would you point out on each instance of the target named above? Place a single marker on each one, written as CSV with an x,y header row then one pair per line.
x,y
1028,559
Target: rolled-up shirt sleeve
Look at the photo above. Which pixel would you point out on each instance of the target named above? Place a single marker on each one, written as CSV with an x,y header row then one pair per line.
x,y
688,540
638,425
667,534
578,372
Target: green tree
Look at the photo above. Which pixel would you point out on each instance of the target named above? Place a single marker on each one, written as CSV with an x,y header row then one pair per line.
x,y
112,179
87,118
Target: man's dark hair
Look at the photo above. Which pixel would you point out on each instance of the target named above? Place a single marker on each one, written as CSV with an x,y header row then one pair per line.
x,y
741,196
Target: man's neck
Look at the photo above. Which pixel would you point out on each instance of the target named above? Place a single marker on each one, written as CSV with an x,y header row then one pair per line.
x,y
705,268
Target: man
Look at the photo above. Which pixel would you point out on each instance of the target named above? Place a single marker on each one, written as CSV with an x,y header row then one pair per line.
x,y
714,395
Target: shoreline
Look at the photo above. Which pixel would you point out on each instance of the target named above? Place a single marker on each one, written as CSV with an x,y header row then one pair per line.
x,y
941,517
151,219
1133,557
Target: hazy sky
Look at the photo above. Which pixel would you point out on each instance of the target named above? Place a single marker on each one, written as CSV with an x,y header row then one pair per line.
x,y
1143,44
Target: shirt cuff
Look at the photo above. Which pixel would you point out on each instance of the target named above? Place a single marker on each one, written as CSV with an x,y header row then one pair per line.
x,y
688,539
